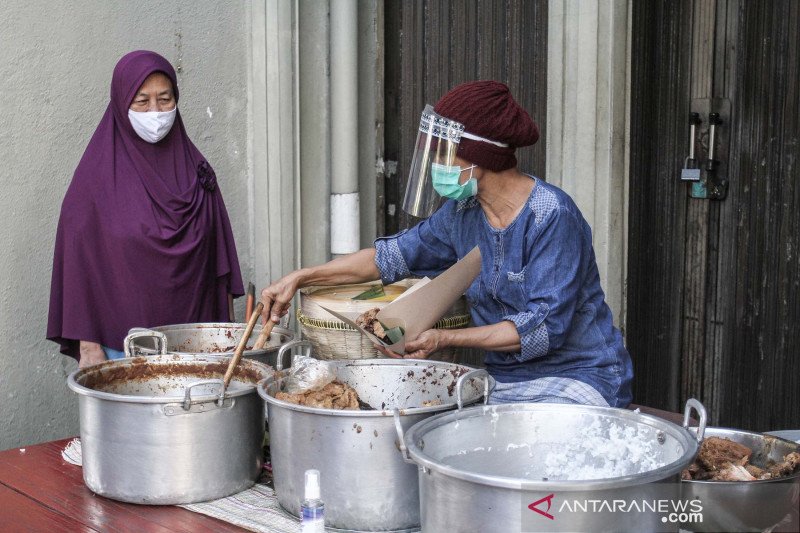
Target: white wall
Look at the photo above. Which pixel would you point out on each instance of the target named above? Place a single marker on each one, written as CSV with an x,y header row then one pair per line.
x,y
587,118
56,60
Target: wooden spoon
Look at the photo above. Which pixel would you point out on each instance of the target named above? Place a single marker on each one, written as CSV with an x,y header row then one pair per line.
x,y
237,355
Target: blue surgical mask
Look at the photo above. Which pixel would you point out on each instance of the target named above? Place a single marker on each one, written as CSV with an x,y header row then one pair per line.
x,y
445,181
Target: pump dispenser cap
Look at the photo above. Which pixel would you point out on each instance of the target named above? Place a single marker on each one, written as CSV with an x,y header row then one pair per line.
x,y
312,485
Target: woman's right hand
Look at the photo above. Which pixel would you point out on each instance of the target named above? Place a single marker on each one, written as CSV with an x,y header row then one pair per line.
x,y
91,353
278,297
357,267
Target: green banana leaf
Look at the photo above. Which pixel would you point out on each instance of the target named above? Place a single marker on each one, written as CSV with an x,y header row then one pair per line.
x,y
394,334
376,291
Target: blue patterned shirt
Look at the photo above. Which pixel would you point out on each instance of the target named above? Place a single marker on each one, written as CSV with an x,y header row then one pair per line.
x,y
539,273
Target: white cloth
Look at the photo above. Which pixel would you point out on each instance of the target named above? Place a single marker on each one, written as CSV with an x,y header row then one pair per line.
x,y
547,390
255,509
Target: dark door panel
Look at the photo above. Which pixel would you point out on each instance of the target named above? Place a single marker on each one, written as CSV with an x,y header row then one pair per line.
x,y
713,300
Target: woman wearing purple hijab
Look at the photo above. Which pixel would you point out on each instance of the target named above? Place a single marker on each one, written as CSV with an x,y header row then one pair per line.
x,y
143,238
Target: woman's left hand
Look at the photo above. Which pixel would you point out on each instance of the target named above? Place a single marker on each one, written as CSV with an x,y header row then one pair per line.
x,y
420,348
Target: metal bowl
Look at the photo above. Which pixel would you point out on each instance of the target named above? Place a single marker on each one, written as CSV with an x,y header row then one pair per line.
x,y
748,505
217,338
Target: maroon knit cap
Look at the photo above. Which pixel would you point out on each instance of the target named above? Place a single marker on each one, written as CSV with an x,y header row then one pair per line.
x,y
487,109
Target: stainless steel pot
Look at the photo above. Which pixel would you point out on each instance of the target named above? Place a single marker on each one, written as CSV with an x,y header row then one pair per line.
x,y
502,468
154,429
218,338
366,486
748,505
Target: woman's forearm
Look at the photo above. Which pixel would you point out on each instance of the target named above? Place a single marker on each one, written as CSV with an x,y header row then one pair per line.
x,y
500,337
357,267
354,268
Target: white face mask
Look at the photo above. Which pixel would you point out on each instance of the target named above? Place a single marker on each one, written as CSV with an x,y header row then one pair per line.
x,y
152,126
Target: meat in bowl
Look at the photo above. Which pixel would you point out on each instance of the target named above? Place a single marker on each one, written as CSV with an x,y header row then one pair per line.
x,y
721,459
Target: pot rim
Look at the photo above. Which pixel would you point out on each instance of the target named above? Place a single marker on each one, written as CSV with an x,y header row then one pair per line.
x,y
241,390
376,413
418,430
222,325
721,431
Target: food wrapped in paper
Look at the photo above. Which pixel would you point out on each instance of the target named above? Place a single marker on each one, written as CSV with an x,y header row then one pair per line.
x,y
419,308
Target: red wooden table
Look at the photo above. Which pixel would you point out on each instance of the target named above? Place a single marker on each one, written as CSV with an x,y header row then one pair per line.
x,y
39,491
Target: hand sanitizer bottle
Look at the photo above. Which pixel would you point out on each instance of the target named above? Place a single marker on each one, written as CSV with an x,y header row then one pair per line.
x,y
312,510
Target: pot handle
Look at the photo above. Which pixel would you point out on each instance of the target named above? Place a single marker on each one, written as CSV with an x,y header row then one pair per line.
x,y
262,388
187,396
287,347
472,374
138,333
401,443
691,403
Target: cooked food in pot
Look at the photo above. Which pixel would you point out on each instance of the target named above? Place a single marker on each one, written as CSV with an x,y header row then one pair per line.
x,y
334,395
725,460
716,453
215,348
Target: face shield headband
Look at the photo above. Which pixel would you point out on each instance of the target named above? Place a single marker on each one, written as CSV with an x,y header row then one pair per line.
x,y
437,144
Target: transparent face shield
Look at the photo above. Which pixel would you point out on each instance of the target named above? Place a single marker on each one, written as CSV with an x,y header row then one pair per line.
x,y
437,142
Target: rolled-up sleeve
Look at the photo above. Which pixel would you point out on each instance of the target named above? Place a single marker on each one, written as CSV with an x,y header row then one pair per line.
x,y
389,259
533,337
424,250
552,285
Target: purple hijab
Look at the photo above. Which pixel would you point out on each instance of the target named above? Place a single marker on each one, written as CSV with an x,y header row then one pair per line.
x,y
143,238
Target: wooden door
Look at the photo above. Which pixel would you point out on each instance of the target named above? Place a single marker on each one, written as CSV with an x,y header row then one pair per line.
x,y
432,46
713,300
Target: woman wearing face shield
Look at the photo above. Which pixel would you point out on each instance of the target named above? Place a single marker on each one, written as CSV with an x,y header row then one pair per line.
x,y
537,306
143,238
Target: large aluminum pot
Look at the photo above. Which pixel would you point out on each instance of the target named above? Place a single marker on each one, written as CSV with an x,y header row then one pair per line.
x,y
366,485
535,467
218,338
748,505
155,430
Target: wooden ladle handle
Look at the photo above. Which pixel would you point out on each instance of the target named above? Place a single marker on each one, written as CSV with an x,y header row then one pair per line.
x,y
263,338
237,355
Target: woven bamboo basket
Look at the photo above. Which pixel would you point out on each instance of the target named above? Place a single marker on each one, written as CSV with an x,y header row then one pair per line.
x,y
334,339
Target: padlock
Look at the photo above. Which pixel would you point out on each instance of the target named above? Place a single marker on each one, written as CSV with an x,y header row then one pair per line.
x,y
690,174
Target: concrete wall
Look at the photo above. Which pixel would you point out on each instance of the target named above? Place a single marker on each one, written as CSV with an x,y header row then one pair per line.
x,y
587,117
56,60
